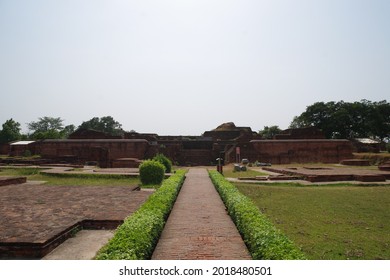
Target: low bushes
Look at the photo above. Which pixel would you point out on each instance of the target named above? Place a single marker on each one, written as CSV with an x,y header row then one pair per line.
x,y
164,161
151,172
263,240
137,237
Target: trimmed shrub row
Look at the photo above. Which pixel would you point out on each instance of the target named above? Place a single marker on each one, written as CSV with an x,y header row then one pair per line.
x,y
261,237
137,237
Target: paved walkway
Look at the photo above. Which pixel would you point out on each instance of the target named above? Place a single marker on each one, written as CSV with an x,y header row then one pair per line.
x,y
83,246
199,226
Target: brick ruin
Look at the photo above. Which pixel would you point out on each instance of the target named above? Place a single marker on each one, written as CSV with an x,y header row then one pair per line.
x,y
102,151
302,150
227,141
300,133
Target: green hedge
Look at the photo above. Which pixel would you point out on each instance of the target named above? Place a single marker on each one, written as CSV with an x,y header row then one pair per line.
x,y
161,158
137,237
151,172
261,237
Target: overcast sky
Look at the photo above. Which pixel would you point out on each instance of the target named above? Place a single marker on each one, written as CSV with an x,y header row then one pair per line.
x,y
183,67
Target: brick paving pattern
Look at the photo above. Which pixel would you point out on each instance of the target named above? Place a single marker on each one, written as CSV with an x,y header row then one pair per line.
x,y
199,226
35,213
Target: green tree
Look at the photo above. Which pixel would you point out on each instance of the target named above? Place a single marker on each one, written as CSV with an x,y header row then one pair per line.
x,y
269,132
69,129
379,120
105,124
10,132
297,122
347,119
46,128
319,115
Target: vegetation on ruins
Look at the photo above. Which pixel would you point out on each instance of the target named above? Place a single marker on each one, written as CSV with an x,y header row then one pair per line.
x,y
161,158
137,237
105,124
151,172
261,237
345,120
328,222
268,132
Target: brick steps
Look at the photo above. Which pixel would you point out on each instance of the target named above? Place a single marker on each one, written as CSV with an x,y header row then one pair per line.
x,y
5,181
37,250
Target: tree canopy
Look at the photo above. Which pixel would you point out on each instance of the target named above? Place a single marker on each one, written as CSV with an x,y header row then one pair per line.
x,y
10,132
105,124
269,132
46,128
347,120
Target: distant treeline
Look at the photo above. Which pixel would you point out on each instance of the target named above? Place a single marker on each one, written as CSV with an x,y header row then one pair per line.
x,y
346,120
337,120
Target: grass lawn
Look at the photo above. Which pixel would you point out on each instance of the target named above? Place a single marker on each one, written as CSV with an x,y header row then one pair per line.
x,y
329,222
71,180
229,172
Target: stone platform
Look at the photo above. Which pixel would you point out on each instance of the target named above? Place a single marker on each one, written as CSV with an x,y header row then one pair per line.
x,y
355,162
332,174
5,181
384,167
34,219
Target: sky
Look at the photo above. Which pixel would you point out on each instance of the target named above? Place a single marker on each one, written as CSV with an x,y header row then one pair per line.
x,y
186,66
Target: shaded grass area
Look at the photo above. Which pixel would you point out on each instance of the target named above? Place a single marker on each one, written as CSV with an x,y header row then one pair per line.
x,y
34,174
329,222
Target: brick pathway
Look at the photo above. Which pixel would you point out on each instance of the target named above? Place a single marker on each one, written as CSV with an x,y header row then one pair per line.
x,y
198,226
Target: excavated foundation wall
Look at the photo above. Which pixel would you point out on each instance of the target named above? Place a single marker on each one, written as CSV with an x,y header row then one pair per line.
x,y
300,151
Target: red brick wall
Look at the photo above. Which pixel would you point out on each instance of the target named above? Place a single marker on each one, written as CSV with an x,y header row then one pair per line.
x,y
94,150
299,151
274,151
4,149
